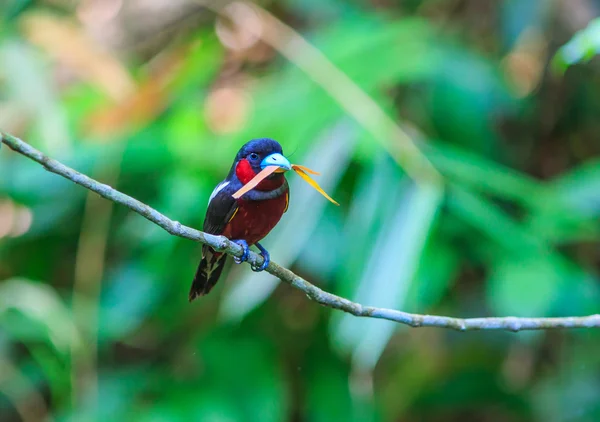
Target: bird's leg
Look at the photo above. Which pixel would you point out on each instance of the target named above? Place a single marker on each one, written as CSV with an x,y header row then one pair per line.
x,y
244,256
267,258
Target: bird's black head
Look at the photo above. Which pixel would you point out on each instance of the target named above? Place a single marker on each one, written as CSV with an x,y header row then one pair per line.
x,y
258,154
258,149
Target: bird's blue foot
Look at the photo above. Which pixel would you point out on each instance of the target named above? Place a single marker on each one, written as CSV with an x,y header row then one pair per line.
x,y
244,256
267,259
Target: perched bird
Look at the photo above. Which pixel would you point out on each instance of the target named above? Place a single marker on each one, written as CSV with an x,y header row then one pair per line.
x,y
250,218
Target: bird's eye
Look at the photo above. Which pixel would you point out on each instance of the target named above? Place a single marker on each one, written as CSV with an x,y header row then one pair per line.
x,y
253,156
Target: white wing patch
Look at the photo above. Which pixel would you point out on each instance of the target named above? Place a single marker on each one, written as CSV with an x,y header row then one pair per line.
x,y
218,189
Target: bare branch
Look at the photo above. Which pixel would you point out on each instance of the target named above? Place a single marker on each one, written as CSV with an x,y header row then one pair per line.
x,y
322,297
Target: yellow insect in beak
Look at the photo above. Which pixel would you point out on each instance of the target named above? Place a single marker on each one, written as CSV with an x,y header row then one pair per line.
x,y
302,171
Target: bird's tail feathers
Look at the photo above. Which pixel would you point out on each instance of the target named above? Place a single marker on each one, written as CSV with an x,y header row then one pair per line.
x,y
208,272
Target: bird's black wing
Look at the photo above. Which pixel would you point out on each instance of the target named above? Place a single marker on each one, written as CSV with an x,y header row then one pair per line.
x,y
221,207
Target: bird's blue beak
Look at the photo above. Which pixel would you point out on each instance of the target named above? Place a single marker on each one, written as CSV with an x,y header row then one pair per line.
x,y
276,160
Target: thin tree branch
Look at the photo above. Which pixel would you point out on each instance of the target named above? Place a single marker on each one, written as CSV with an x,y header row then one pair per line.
x,y
322,297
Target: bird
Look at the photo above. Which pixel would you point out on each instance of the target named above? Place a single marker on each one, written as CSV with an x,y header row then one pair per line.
x,y
247,220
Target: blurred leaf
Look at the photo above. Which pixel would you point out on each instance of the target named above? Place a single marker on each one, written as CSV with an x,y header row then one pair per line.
x,y
570,392
362,224
520,16
380,42
19,389
29,86
186,128
325,246
464,98
472,387
138,105
391,267
210,406
66,41
47,322
11,8
116,392
584,45
526,287
41,305
122,312
437,268
326,374
573,204
579,290
579,190
280,100
57,199
256,391
468,169
203,58
492,221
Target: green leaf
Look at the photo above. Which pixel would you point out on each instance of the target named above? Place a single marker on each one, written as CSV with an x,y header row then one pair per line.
x,y
584,45
30,88
41,305
579,190
254,385
493,221
392,263
437,268
476,172
280,100
464,97
365,211
12,8
524,287
129,296
329,393
42,322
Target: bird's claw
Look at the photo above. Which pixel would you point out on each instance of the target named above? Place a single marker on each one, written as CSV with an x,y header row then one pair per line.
x,y
267,259
244,256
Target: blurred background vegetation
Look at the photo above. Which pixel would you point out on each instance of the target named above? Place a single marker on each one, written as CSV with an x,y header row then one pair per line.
x,y
156,96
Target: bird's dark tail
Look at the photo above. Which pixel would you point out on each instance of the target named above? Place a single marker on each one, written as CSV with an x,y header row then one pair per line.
x,y
208,272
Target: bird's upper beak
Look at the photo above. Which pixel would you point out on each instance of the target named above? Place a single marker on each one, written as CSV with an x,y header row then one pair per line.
x,y
276,160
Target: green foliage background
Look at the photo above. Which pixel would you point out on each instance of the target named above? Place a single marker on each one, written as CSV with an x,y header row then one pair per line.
x,y
156,97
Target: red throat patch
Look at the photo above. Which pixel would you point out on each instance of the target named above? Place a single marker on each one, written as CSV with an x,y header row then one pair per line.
x,y
245,174
244,171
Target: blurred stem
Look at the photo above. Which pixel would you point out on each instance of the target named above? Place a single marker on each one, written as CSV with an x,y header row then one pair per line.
x,y
28,402
339,86
89,271
360,382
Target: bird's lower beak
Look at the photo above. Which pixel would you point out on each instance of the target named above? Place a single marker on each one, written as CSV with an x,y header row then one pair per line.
x,y
276,160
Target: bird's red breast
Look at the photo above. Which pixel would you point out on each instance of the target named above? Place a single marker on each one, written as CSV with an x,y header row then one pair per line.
x,y
253,220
